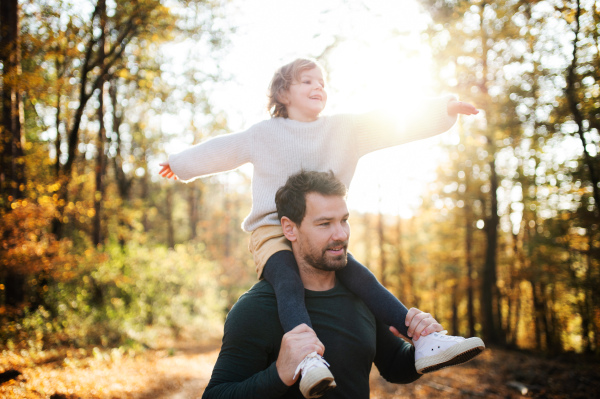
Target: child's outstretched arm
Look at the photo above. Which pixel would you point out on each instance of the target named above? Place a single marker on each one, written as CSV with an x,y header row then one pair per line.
x,y
215,155
166,171
458,107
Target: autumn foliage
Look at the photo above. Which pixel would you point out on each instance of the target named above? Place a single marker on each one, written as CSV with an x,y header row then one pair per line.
x,y
95,250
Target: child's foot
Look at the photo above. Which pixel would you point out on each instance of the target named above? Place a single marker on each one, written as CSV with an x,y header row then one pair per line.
x,y
316,379
436,351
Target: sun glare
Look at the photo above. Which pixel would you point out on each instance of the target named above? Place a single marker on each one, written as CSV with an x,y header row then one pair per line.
x,y
378,62
387,74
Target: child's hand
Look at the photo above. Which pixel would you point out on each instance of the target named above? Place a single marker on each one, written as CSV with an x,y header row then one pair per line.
x,y
459,107
166,171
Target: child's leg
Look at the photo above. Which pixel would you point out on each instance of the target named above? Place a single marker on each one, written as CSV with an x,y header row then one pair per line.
x,y
384,306
432,352
275,263
281,271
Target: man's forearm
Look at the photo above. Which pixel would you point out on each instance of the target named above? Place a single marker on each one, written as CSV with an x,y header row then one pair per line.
x,y
395,358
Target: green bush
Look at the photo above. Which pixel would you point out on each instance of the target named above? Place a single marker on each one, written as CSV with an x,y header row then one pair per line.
x,y
132,299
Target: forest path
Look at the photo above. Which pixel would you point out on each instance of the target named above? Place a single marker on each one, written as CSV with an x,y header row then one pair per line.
x,y
183,370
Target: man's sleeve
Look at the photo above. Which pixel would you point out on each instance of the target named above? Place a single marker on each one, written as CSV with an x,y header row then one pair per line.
x,y
245,367
394,358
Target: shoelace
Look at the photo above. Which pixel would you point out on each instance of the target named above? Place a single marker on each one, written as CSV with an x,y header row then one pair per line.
x,y
306,362
442,335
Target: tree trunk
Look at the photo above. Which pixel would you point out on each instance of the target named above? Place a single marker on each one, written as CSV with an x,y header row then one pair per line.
x,y
97,238
145,193
90,81
12,173
542,308
227,223
498,315
12,166
469,261
556,343
400,264
571,95
14,289
123,183
194,195
541,329
169,214
536,321
368,250
410,285
489,290
64,171
455,325
57,141
382,258
491,329
100,169
513,311
587,314
517,319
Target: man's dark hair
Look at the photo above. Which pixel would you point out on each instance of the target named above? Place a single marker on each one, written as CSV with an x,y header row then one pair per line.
x,y
291,197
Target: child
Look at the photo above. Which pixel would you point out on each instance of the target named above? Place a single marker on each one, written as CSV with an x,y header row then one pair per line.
x,y
296,138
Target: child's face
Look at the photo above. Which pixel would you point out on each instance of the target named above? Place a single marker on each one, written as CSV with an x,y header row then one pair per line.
x,y
306,97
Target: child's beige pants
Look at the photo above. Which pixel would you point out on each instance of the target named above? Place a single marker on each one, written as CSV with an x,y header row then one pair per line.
x,y
264,242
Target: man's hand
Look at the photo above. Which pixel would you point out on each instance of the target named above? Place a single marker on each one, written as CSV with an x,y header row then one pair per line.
x,y
166,171
459,107
419,324
295,345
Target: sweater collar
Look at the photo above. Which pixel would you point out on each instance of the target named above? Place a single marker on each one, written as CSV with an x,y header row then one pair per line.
x,y
300,125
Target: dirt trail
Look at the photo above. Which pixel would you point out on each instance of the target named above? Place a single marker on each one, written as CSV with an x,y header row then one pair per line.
x,y
178,372
183,371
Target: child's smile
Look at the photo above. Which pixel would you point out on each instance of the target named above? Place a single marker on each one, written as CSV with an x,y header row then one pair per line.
x,y
307,97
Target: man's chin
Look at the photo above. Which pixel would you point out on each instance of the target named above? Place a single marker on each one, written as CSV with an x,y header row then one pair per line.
x,y
336,262
326,262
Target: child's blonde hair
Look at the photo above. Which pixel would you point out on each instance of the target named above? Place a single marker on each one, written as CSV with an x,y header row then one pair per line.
x,y
280,84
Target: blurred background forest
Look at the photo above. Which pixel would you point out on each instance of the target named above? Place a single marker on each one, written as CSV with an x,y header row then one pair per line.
x,y
503,240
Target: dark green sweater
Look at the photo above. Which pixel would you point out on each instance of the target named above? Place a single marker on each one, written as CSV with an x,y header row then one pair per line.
x,y
352,337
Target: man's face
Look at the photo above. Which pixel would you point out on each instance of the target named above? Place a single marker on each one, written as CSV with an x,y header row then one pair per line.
x,y
324,232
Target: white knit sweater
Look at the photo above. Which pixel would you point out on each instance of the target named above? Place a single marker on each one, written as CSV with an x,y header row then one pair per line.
x,y
280,147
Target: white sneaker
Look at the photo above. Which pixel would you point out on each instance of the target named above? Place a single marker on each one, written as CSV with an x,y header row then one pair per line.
x,y
438,350
316,379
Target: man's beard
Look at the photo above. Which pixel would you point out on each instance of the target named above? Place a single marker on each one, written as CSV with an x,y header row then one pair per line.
x,y
327,263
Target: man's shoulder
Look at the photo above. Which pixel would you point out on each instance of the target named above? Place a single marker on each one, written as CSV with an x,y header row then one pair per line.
x,y
254,313
261,289
259,298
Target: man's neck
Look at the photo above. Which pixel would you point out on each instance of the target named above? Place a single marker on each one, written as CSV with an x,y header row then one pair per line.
x,y
315,279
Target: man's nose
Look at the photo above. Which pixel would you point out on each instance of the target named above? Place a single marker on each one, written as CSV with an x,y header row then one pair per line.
x,y
341,232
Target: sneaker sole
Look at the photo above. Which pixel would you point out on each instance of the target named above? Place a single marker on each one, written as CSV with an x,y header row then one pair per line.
x,y
457,354
316,383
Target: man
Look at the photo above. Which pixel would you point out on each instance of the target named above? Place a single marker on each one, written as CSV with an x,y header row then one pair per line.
x,y
258,361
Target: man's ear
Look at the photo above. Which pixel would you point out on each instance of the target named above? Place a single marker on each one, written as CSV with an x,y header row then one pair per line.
x,y
289,229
